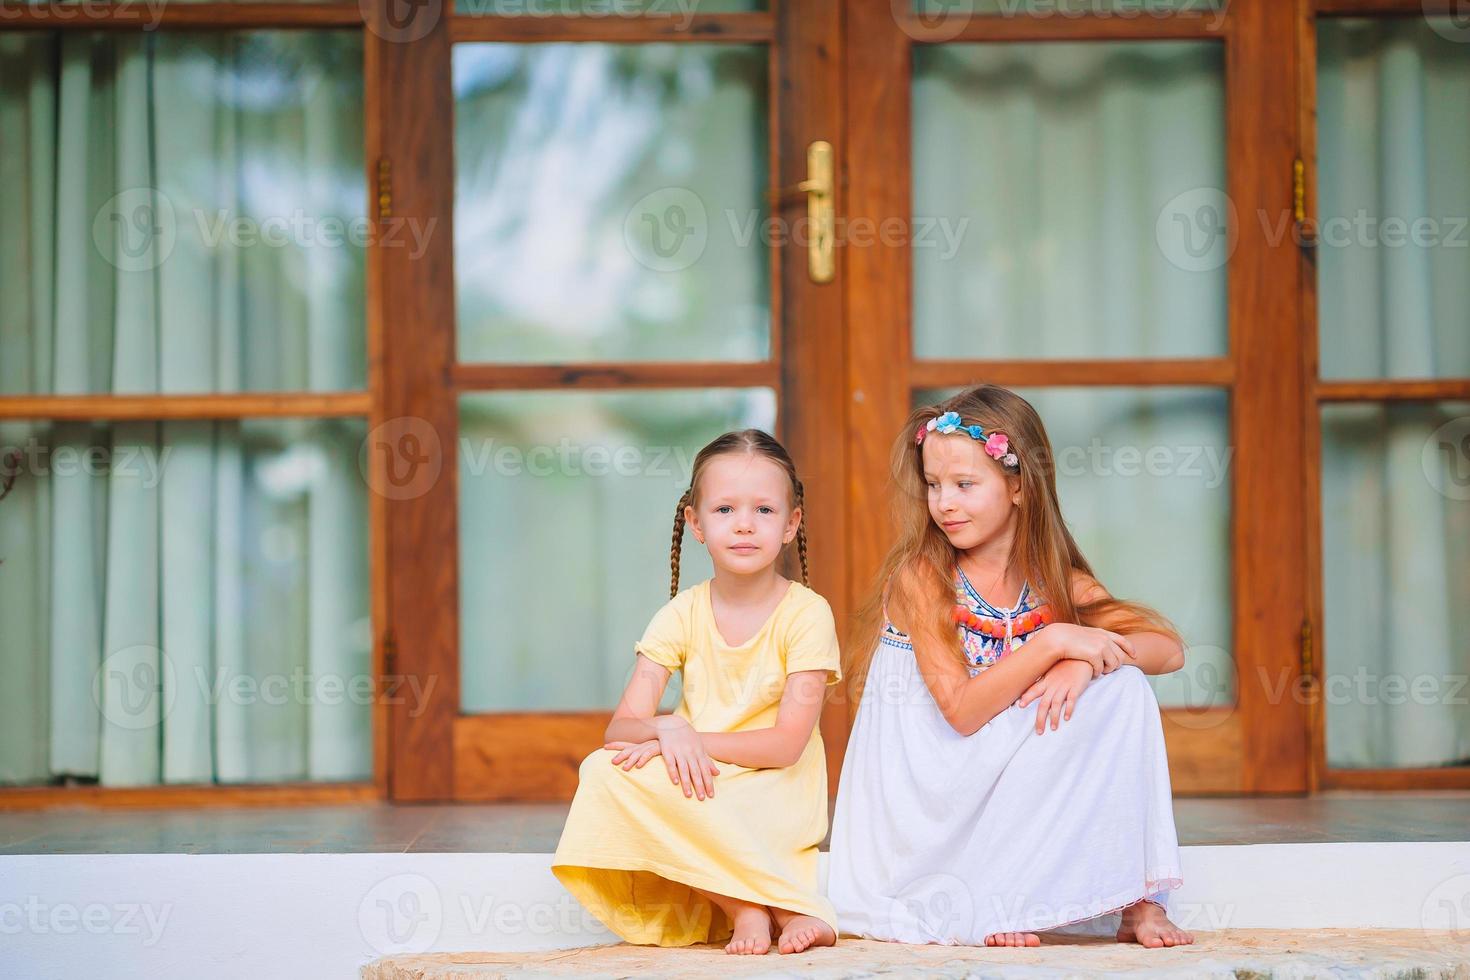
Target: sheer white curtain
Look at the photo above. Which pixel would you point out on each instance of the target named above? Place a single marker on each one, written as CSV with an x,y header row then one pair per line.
x,y
185,611
1393,140
1053,164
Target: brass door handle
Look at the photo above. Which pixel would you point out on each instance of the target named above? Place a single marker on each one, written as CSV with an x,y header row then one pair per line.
x,y
821,210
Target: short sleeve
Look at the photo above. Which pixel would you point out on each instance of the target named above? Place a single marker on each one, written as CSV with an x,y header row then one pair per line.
x,y
666,640
811,641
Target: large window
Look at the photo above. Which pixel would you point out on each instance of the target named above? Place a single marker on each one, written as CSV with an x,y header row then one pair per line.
x,y
183,365
1392,405
353,356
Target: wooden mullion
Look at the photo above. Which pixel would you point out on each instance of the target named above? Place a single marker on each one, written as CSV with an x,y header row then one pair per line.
x,y
1264,300
734,28
412,130
808,334
1446,777
1091,26
380,529
95,15
1311,431
1217,372
149,407
1394,389
879,290
201,795
642,374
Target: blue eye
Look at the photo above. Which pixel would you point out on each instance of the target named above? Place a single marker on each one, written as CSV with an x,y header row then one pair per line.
x,y
723,509
966,483
766,510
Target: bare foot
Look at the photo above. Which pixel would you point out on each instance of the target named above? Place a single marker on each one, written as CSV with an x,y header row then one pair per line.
x,y
1146,924
752,931
801,932
1013,939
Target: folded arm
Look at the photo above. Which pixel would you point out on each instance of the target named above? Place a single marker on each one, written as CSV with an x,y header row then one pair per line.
x,y
782,743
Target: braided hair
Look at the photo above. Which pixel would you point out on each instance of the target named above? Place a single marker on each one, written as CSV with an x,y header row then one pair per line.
x,y
755,442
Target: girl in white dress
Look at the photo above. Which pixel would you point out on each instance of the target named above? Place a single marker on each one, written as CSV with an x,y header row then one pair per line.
x,y
1006,772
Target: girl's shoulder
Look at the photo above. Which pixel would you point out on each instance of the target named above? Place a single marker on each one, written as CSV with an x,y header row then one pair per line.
x,y
804,608
678,613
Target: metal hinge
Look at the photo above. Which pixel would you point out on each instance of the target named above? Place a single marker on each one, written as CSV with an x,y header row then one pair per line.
x,y
390,652
1308,674
385,189
1305,236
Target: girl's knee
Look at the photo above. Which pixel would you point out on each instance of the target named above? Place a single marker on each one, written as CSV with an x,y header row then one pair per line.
x,y
597,762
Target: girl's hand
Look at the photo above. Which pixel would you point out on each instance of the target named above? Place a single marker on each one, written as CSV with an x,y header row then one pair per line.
x,y
1057,691
1102,650
635,753
689,765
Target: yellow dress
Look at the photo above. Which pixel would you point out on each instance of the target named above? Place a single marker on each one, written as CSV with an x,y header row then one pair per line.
x,y
634,845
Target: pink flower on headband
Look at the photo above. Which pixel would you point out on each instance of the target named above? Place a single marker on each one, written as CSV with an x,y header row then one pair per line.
x,y
997,445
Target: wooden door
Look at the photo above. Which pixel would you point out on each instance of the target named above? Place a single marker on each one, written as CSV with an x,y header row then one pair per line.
x,y
925,80
519,585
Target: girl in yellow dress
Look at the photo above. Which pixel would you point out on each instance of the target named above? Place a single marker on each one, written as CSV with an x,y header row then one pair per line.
x,y
720,842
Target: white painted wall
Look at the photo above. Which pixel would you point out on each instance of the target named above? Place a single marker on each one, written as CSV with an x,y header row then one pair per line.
x,y
323,916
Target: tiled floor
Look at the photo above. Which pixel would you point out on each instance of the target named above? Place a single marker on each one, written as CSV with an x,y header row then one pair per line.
x,y
534,828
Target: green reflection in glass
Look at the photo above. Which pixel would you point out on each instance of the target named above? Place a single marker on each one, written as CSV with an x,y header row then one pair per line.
x,y
1069,200
610,202
566,508
1393,221
1396,573
191,212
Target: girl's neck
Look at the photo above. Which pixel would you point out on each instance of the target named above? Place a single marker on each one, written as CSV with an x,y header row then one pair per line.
x,y
989,568
750,589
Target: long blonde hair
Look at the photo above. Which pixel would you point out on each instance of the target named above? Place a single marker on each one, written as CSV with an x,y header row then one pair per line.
x,y
918,574
755,442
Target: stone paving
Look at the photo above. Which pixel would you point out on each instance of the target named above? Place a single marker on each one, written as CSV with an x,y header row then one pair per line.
x,y
1243,954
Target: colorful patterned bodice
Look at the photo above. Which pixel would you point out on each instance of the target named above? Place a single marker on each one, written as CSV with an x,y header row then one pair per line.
x,y
986,633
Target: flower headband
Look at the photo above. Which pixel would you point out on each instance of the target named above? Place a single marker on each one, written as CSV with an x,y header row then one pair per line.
x,y
997,444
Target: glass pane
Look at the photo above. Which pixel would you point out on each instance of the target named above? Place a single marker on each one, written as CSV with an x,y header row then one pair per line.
x,y
1396,570
1144,480
189,212
1068,200
566,507
185,602
610,202
682,10
1394,255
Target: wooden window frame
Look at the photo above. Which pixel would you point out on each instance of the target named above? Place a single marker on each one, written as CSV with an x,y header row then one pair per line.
x,y
1258,745
1318,392
484,756
853,62
367,404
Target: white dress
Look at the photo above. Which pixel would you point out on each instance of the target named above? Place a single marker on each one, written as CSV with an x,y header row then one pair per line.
x,y
940,837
